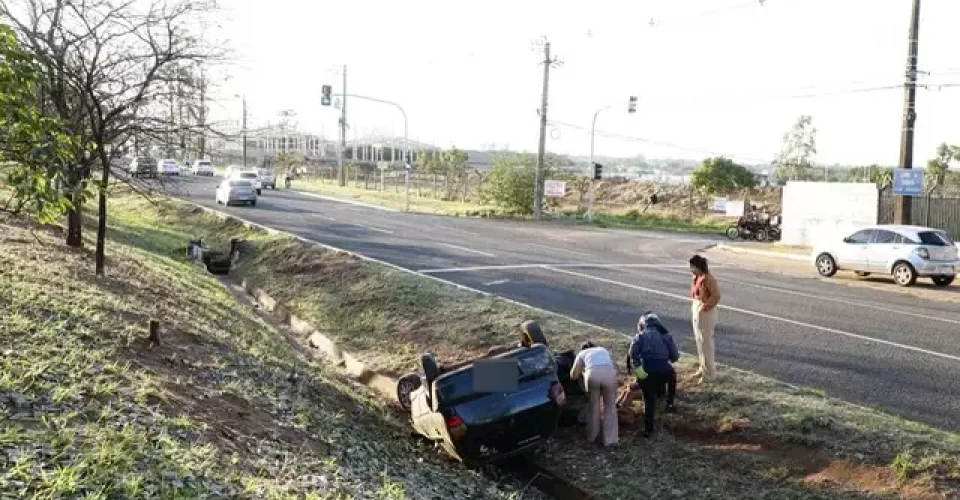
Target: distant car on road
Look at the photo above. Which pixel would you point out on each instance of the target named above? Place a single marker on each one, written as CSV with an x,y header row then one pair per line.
x,y
905,252
249,175
480,427
168,167
202,167
232,191
143,166
267,178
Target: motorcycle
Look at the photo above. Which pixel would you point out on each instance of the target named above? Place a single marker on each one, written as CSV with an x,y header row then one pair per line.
x,y
747,229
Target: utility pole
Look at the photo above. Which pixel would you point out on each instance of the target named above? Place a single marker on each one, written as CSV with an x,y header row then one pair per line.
x,y
901,207
243,133
541,152
341,175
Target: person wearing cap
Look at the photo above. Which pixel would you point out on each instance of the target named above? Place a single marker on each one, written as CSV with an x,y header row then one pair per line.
x,y
652,354
600,374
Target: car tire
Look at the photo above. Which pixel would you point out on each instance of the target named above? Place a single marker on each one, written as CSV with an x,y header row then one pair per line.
x,y
943,281
430,366
531,333
405,387
253,203
259,192
826,265
904,274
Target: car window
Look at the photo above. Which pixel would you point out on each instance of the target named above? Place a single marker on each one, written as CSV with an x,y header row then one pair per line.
x,y
248,176
934,239
884,236
240,183
861,237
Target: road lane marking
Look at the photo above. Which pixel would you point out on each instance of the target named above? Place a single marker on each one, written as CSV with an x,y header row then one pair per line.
x,y
377,229
686,298
348,202
866,305
497,282
461,231
555,249
470,250
534,266
324,217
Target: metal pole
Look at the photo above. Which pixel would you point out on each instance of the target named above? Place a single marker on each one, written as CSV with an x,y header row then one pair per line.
x,y
341,176
901,207
593,131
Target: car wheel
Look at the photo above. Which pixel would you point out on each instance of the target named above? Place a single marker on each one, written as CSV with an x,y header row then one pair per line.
x,y
253,203
904,274
862,274
405,387
431,368
945,280
259,192
531,333
826,266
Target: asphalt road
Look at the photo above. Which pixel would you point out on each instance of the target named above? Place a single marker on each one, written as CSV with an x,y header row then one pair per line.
x,y
871,347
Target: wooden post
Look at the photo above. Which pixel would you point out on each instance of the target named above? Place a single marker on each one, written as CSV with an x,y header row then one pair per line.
x,y
154,332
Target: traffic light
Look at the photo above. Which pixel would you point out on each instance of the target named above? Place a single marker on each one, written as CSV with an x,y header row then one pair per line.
x,y
632,106
597,171
325,99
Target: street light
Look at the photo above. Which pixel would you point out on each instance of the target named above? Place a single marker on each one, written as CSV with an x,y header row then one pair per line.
x,y
406,142
631,108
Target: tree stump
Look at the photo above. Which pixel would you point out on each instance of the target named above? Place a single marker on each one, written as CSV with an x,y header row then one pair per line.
x,y
154,331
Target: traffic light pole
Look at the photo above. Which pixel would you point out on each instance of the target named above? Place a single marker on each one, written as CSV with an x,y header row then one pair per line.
x,y
593,133
341,174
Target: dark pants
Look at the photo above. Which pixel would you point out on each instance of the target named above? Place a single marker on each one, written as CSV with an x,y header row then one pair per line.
x,y
653,387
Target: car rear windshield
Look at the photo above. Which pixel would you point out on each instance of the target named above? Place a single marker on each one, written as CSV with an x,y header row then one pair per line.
x,y
459,386
240,184
204,164
935,239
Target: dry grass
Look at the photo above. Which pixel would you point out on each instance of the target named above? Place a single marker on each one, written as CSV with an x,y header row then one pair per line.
x,y
744,436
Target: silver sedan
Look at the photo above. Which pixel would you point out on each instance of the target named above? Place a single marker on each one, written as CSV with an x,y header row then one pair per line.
x,y
236,191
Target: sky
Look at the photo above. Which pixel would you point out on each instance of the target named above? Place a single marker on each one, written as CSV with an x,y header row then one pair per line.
x,y
713,77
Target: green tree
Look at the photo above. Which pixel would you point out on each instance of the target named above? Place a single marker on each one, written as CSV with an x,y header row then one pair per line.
x,y
454,164
718,175
795,160
510,184
937,167
33,148
872,173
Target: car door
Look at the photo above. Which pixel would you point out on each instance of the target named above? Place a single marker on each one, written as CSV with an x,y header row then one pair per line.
x,y
883,249
852,254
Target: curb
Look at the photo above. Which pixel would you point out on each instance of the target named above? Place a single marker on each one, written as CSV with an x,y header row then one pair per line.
x,y
763,253
336,356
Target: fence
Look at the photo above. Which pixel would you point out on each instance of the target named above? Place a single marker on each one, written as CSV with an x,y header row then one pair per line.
x,y
939,209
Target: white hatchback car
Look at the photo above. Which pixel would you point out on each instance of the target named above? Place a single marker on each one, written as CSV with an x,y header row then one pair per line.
x,y
202,167
250,175
168,167
905,252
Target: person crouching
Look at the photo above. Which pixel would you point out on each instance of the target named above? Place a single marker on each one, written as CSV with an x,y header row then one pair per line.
x,y
652,354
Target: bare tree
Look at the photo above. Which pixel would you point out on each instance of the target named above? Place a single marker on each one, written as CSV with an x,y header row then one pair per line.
x,y
108,65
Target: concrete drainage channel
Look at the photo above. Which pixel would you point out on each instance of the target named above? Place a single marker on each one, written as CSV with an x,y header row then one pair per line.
x,y
526,469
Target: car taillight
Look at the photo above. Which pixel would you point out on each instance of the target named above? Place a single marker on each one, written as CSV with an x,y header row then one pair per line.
x,y
457,427
923,253
557,394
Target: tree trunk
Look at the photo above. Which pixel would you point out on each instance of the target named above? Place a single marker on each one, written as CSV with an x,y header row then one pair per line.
x,y
102,222
74,223
434,186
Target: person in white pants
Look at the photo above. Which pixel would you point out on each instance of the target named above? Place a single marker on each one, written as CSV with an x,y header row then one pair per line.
x,y
600,374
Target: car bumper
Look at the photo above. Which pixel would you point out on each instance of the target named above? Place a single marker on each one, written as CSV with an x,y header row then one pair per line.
x,y
241,197
937,267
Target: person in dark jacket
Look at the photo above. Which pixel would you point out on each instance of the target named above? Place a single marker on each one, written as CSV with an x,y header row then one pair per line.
x,y
652,354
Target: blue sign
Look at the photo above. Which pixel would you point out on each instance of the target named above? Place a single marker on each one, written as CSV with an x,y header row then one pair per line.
x,y
907,182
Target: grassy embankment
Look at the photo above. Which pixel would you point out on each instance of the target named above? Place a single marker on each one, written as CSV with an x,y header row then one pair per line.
x,y
225,407
744,436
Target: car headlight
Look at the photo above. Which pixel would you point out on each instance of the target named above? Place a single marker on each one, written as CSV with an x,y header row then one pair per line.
x,y
923,253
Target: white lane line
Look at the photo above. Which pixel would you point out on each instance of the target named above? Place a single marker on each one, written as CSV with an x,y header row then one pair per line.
x,y
555,249
324,217
461,231
470,250
763,315
534,266
377,229
497,282
348,202
865,305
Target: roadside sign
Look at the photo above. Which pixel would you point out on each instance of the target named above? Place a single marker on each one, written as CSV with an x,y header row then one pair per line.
x,y
555,189
735,208
720,205
907,182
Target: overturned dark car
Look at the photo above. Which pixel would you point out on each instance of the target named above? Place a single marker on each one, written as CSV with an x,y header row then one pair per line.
x,y
457,408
